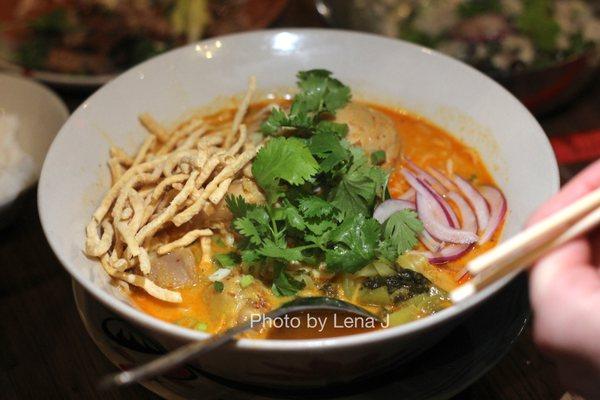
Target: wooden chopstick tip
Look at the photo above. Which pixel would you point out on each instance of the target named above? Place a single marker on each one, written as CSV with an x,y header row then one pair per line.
x,y
462,292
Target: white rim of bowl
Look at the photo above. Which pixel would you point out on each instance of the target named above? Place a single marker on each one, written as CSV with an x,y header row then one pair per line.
x,y
169,329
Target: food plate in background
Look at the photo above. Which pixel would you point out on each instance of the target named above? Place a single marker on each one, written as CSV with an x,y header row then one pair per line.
x,y
79,43
39,114
543,51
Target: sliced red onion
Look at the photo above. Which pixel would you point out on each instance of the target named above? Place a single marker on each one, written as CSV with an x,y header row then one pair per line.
x,y
426,191
476,200
388,207
450,214
445,181
408,195
453,252
413,181
435,184
432,215
469,220
449,253
429,242
498,206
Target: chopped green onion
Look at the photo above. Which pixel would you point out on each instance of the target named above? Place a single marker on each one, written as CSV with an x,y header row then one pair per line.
x,y
219,286
201,326
246,280
378,157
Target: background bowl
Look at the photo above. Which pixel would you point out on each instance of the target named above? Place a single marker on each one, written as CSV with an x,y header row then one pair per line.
x,y
460,99
541,89
225,16
41,114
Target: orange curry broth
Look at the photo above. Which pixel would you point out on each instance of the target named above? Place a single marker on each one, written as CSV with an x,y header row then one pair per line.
x,y
421,141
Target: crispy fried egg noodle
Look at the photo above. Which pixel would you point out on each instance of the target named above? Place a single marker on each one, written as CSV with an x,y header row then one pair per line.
x,y
173,177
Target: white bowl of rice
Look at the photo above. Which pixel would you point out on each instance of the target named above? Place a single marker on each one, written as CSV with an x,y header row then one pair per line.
x,y
30,117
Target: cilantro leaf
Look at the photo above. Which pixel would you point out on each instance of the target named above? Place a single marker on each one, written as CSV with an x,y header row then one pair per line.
x,y
250,256
321,92
358,188
354,243
378,157
276,120
227,260
272,249
283,159
332,128
259,214
285,285
237,205
291,215
328,149
400,233
313,206
246,227
319,228
279,119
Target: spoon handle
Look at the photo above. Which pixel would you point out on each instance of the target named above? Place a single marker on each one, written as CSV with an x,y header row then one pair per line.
x,y
176,357
192,350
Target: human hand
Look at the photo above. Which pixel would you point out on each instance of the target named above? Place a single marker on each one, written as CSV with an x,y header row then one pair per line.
x,y
565,296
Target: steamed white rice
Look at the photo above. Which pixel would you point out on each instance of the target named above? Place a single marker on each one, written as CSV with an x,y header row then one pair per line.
x,y
17,168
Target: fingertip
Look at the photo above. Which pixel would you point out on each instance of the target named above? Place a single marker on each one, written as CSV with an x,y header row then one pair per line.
x,y
562,273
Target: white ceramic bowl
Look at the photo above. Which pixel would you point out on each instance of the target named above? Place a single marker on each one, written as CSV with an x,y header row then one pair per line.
x,y
449,93
41,114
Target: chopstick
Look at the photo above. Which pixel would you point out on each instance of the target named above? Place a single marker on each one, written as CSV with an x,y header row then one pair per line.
x,y
519,252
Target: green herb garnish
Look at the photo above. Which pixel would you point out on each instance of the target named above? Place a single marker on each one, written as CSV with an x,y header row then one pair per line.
x,y
246,280
201,326
321,192
378,157
320,93
283,159
285,285
227,260
400,233
219,286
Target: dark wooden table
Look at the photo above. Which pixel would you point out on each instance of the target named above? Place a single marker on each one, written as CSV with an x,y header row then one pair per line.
x,y
46,353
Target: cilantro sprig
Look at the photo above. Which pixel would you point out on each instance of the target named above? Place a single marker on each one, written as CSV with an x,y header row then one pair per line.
x,y
400,234
320,93
320,191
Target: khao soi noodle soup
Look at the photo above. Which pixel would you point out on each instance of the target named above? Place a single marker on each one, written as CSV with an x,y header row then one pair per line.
x,y
230,215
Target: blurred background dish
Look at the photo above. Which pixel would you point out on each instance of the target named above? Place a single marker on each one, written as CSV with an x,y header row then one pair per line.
x,y
544,51
87,42
30,117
